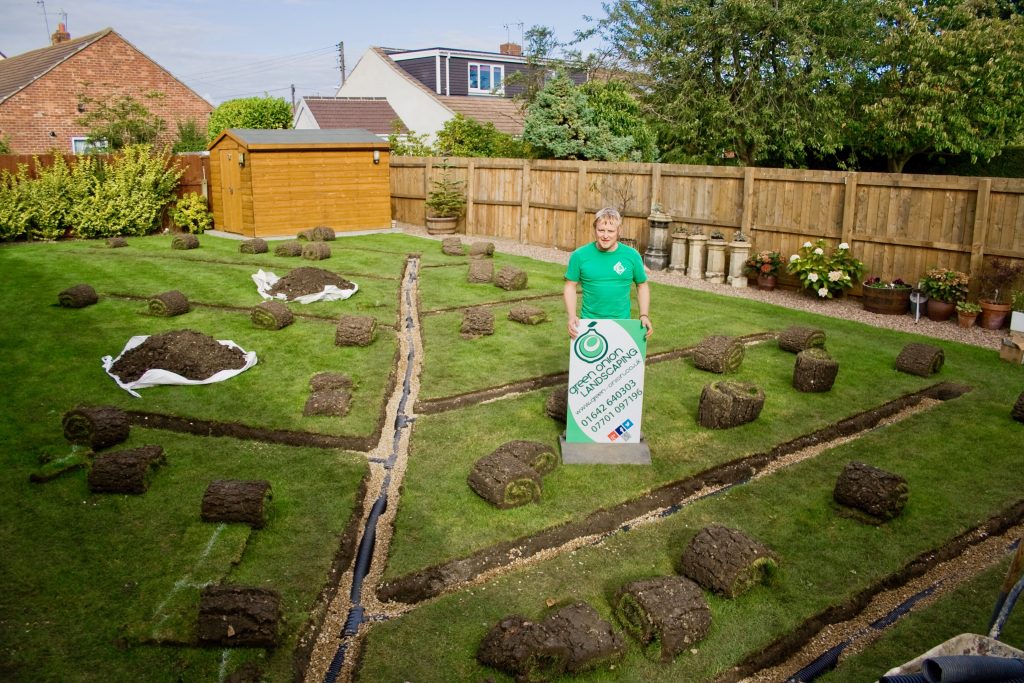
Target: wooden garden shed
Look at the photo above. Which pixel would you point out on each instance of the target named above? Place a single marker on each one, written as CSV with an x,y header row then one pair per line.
x,y
276,183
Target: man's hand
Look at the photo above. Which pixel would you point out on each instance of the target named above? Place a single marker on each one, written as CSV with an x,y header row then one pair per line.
x,y
645,320
574,324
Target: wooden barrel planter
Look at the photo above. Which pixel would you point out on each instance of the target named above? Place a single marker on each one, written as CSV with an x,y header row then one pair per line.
x,y
887,300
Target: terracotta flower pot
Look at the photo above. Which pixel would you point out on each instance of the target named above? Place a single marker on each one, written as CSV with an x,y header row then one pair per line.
x,y
993,315
965,319
940,310
767,282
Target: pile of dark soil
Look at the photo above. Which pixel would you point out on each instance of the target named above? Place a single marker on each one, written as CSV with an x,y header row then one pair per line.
x,y
308,280
191,354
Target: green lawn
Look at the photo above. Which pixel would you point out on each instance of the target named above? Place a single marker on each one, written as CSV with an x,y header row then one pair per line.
x,y
104,587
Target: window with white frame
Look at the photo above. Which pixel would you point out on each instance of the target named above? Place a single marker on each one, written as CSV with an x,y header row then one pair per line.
x,y
82,146
486,79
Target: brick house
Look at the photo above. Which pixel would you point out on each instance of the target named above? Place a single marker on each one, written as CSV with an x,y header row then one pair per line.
x,y
41,90
429,86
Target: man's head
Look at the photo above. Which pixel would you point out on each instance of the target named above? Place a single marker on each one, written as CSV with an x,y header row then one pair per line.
x,y
606,228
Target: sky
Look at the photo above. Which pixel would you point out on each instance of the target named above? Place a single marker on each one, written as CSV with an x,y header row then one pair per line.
x,y
225,49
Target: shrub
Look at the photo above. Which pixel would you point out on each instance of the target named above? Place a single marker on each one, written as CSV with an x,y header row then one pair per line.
x,y
190,138
128,195
191,214
944,284
825,274
14,203
53,195
249,112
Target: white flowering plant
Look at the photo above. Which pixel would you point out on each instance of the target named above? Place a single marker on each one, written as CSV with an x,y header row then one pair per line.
x,y
825,274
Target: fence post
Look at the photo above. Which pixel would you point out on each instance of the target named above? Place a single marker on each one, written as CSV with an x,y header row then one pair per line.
x,y
470,186
747,218
524,203
581,210
849,208
979,234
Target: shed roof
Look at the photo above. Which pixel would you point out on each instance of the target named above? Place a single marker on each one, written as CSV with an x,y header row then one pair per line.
x,y
320,138
21,70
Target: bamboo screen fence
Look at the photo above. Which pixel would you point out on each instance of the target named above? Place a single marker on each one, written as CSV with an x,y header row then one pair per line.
x,y
898,225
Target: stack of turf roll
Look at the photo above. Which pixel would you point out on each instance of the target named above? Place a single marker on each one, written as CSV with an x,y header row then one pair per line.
x,y
316,251
288,249
78,296
253,246
96,426
271,315
503,480
667,613
718,354
185,240
799,338
168,304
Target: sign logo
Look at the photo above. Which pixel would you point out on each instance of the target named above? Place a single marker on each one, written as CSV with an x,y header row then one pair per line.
x,y
591,346
619,268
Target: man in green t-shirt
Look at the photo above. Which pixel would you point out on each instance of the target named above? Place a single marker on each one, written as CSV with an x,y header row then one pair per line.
x,y
606,270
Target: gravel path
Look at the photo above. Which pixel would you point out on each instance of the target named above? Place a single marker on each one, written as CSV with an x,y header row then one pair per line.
x,y
846,308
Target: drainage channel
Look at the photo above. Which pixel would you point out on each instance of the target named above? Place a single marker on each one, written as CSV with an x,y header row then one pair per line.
x,y
333,654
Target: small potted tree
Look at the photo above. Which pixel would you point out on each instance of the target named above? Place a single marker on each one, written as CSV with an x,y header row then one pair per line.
x,y
996,280
445,203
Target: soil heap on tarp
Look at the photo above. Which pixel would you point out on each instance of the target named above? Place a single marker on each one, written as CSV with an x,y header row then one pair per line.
x,y
308,280
188,353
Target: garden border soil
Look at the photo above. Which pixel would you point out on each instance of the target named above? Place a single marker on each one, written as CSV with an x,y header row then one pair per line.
x,y
433,581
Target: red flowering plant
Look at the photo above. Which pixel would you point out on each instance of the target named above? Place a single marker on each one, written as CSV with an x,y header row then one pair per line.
x,y
764,263
878,283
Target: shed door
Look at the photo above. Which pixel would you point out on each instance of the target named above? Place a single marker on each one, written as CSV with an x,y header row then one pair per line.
x,y
230,188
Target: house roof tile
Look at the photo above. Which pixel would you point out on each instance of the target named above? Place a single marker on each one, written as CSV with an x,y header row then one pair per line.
x,y
506,114
22,70
371,113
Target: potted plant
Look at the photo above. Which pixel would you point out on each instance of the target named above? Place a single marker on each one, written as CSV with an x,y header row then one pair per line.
x,y
445,203
996,279
826,275
966,313
886,297
1017,315
943,287
765,266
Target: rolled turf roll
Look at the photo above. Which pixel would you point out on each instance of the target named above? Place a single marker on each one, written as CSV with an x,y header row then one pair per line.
x,y
168,304
510,278
728,404
481,249
271,315
727,561
322,233
253,246
305,235
78,296
875,493
920,359
798,338
125,471
316,251
185,241
556,406
538,456
527,314
669,611
815,370
236,500
116,242
452,246
96,426
524,649
505,482
1017,412
591,640
718,354
288,249
480,272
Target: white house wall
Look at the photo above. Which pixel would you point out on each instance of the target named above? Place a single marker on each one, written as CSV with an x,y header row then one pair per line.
x,y
304,119
373,77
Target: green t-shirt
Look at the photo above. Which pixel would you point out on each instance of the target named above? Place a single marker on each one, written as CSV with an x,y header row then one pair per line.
x,y
606,277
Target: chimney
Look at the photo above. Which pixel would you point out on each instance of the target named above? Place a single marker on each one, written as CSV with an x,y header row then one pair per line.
x,y
512,49
61,35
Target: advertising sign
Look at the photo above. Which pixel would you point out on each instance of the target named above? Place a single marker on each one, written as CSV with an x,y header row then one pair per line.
x,y
606,382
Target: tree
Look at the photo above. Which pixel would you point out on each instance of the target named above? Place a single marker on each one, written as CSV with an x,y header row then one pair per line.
x,y
944,78
249,112
539,51
119,121
191,138
561,124
615,106
465,137
409,143
762,80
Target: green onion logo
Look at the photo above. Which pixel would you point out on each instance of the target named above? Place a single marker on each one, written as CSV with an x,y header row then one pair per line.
x,y
591,346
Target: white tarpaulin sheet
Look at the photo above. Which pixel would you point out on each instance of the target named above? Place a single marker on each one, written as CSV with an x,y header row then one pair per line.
x,y
154,376
264,281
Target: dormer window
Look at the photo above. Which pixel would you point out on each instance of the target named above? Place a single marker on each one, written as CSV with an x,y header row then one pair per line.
x,y
486,79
